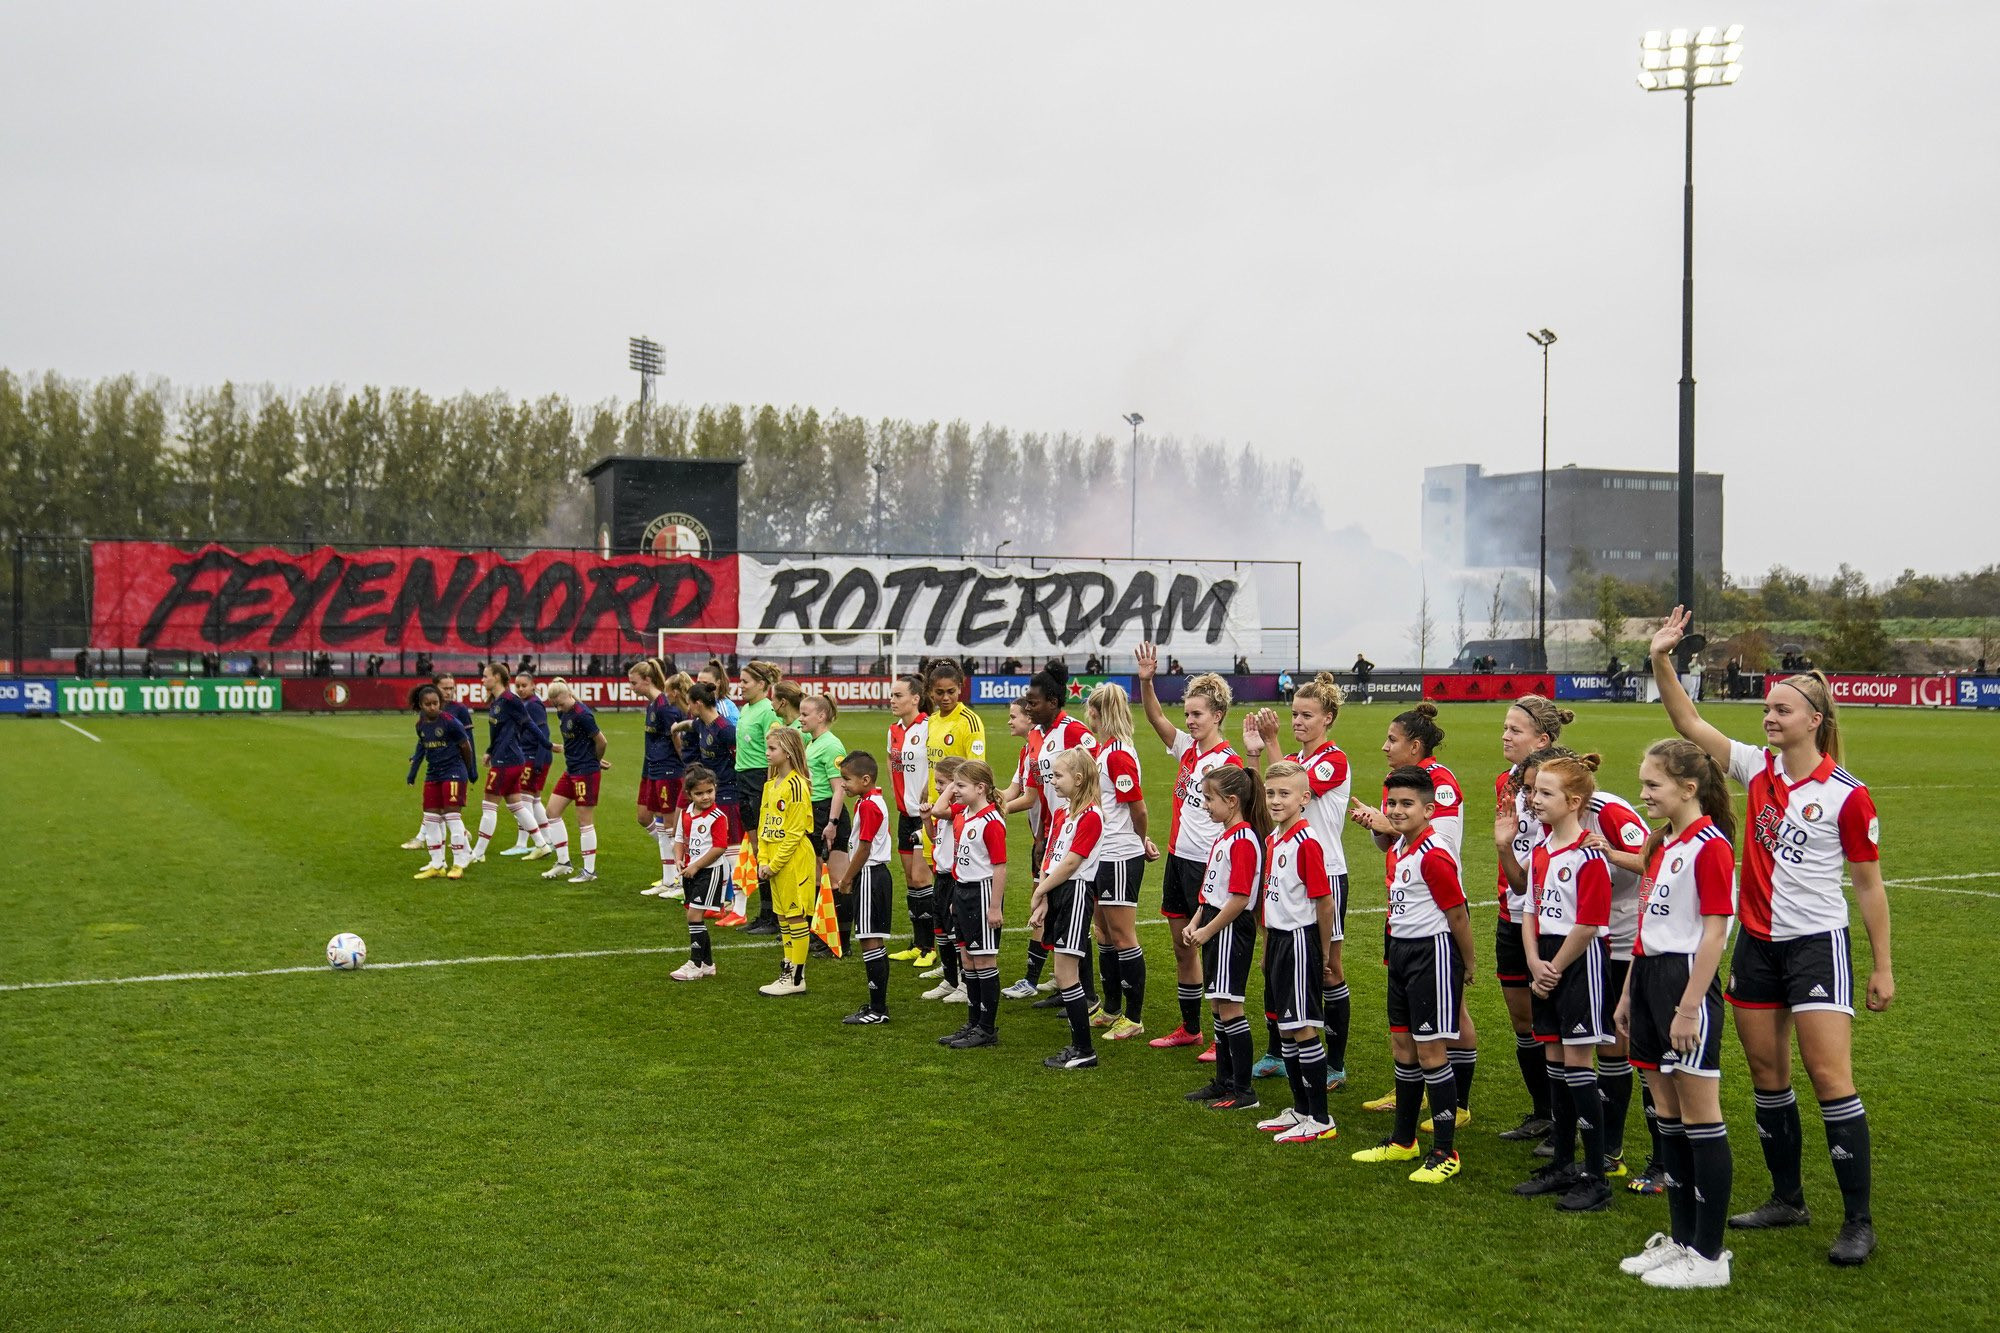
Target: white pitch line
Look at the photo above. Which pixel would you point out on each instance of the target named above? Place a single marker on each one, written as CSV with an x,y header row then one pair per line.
x,y
1932,888
80,731
1919,880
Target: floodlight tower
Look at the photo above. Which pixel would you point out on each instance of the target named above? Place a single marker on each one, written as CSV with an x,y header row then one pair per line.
x,y
644,357
1542,339
1670,62
1134,420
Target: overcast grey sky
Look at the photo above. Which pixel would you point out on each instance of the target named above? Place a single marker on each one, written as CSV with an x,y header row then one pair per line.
x,y
1315,227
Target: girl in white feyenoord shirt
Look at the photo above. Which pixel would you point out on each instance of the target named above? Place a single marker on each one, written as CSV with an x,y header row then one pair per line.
x,y
1121,865
1200,750
910,780
1793,966
1063,897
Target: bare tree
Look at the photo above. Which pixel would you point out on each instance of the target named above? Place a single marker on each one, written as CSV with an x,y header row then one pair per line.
x,y
1496,610
1463,636
1424,631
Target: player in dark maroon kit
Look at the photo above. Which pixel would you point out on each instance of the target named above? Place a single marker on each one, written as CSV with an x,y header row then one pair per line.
x,y
444,750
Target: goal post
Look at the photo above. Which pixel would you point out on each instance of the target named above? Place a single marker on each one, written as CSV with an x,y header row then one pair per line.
x,y
853,667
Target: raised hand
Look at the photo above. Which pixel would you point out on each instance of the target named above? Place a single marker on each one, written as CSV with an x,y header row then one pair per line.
x,y
1671,630
1147,658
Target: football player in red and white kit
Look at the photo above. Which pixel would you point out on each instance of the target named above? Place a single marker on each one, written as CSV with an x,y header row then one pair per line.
x,y
1671,1007
1413,740
1067,890
867,878
700,842
1225,931
1613,827
1054,732
910,780
1563,937
1121,865
1301,929
1315,705
1793,965
1200,750
979,872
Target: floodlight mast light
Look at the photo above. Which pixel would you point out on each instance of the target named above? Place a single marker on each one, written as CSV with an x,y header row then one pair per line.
x,y
1680,61
643,355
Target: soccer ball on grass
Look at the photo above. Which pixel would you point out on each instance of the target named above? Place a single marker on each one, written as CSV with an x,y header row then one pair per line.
x,y
345,952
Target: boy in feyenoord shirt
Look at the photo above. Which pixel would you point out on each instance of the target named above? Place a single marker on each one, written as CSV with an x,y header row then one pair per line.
x,y
1225,935
1055,731
444,750
1430,964
1564,942
1067,891
942,816
910,780
867,878
1301,930
701,838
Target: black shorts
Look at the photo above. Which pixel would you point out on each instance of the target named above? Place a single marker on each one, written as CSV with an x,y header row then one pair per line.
x,y
909,833
1426,985
944,907
1340,906
871,902
823,811
1658,982
1579,1012
1294,977
1803,974
1615,970
1225,959
970,903
1180,894
710,888
1118,881
1510,956
1066,925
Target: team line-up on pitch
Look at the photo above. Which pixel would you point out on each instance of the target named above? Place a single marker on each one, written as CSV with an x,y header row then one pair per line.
x,y
1609,947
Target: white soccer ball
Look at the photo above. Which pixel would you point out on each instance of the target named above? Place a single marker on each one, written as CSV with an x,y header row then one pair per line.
x,y
346,951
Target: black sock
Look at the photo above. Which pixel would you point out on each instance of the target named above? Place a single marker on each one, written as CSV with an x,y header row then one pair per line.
x,y
876,958
1132,975
1190,993
1086,975
1562,1112
1847,1142
1713,1169
1778,1130
1225,1067
1464,1064
948,959
1241,1047
1409,1101
698,942
1677,1174
1077,1006
1038,955
1339,1008
1534,1073
1274,1043
1288,1051
989,987
1614,1079
1589,1102
923,930
1114,979
1652,1120
1312,1072
1442,1083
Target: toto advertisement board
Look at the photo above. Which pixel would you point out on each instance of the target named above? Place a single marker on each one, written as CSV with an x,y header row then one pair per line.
x,y
1906,691
139,695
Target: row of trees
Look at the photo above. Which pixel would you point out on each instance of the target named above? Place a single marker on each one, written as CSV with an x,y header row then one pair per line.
x,y
1785,595
129,458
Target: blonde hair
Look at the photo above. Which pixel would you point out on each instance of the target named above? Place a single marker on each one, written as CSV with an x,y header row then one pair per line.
x,y
791,744
1283,768
1324,691
649,670
1109,704
1547,717
789,693
559,686
1818,693
826,705
677,687
947,768
1211,687
764,673
1082,770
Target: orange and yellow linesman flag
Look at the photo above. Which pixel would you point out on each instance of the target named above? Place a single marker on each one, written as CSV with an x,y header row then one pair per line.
x,y
824,923
744,877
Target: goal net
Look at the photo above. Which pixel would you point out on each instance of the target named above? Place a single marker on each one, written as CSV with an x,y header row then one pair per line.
x,y
854,668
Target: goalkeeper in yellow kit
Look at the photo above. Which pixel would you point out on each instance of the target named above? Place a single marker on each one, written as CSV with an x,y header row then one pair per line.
x,y
785,861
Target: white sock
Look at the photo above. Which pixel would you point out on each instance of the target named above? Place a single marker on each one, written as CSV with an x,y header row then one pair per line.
x,y
455,826
489,816
586,837
420,826
556,833
524,818
434,839
666,842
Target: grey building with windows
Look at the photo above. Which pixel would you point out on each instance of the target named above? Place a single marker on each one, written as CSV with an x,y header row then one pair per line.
x,y
1601,521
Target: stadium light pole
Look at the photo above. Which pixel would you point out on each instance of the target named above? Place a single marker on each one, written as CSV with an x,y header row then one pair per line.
x,y
643,355
1542,338
1001,547
1670,62
1134,420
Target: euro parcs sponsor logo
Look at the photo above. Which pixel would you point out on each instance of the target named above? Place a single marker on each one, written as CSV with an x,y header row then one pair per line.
x,y
27,696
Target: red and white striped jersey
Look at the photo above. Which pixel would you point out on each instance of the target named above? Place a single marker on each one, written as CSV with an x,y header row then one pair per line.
x,y
1572,887
1798,835
1529,832
910,762
1448,814
700,834
1691,876
1235,865
1118,791
1065,734
944,838
1024,764
1423,886
1082,834
1331,786
1300,876
869,833
1194,833
982,845
1614,819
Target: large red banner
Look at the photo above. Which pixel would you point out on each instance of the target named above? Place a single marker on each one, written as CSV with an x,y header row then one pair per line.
x,y
1481,687
1918,691
153,595
388,694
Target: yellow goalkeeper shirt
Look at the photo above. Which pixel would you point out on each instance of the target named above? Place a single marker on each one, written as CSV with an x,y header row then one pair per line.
x,y
783,825
958,732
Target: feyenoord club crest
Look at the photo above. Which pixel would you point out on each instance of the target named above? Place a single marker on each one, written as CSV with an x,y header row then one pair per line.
x,y
336,694
1811,812
676,534
1675,868
1563,874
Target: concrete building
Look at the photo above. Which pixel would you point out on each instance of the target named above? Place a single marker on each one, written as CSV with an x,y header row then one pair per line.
x,y
1601,520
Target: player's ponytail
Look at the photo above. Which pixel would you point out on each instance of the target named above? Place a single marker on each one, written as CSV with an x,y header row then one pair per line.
x,y
1544,715
1246,788
1420,724
1684,761
1212,688
979,774
1575,774
1818,693
558,690
1324,691
1111,711
649,670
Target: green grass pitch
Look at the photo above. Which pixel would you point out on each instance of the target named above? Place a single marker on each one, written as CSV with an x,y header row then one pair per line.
x,y
583,1143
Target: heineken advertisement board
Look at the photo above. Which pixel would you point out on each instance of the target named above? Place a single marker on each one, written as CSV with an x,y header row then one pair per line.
x,y
202,695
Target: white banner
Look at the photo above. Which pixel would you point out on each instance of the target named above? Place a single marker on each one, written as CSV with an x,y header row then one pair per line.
x,y
965,606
